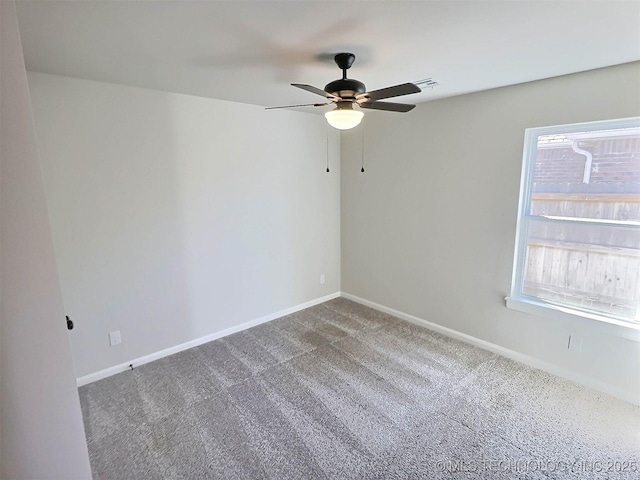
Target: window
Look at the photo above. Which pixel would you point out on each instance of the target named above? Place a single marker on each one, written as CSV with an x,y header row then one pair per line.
x,y
578,234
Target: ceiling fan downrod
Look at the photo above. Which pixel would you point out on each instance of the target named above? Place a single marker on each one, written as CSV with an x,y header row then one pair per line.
x,y
344,62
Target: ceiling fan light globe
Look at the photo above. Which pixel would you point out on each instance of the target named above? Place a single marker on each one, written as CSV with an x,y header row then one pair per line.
x,y
344,119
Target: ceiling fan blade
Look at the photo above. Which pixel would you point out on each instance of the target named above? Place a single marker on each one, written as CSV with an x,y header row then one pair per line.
x,y
388,106
395,91
300,105
312,89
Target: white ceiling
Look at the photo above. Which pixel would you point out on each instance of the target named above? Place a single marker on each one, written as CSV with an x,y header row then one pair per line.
x,y
250,51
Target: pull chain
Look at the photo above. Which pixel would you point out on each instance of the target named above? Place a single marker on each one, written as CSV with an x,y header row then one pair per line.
x,y
327,149
362,150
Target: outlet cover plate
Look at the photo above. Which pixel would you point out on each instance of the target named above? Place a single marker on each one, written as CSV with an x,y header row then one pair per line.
x,y
115,338
575,344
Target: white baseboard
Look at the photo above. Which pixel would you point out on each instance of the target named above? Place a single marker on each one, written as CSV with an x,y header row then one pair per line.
x,y
136,362
626,395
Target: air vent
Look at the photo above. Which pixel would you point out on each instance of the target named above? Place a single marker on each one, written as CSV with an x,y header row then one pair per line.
x,y
426,83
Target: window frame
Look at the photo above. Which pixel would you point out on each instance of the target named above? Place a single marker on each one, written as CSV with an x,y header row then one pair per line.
x,y
520,301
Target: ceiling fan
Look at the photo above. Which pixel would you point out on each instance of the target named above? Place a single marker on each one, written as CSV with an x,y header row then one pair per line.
x,y
345,92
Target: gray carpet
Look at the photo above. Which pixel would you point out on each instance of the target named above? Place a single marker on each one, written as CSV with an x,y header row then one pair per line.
x,y
343,391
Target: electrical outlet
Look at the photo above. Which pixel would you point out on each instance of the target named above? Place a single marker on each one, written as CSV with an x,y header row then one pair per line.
x,y
322,279
115,338
574,344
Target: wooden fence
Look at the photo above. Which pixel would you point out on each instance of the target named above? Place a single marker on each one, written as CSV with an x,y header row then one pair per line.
x,y
569,264
604,206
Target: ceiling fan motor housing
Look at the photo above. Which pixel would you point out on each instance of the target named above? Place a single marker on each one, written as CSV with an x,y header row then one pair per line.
x,y
345,88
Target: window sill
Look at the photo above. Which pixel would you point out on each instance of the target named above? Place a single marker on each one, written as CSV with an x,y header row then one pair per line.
x,y
575,318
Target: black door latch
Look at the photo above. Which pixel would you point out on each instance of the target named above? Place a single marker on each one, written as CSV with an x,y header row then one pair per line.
x,y
69,323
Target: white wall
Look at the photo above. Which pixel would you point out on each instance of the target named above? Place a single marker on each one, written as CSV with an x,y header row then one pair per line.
x,y
175,217
429,228
41,423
